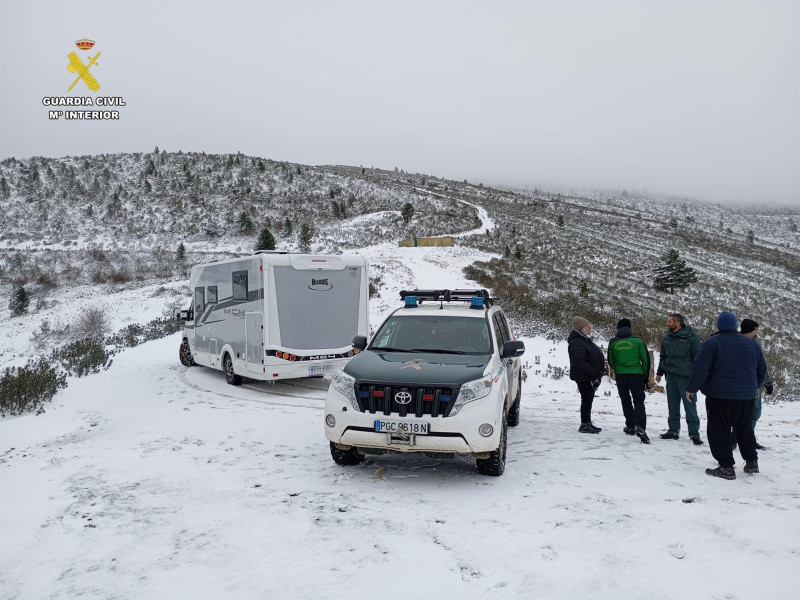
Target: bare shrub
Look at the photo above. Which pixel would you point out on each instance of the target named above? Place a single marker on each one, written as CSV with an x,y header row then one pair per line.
x,y
92,323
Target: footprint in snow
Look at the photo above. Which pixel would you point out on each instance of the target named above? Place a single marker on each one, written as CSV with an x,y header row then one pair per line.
x,y
677,551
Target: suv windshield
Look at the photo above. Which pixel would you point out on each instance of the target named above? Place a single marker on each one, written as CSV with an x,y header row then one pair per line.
x,y
425,333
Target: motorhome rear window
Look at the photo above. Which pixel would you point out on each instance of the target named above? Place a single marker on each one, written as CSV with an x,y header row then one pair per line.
x,y
240,285
212,294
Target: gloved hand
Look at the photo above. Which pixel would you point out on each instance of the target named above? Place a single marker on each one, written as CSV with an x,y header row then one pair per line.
x,y
768,388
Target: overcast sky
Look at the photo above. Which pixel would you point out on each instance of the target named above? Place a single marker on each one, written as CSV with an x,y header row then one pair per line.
x,y
698,98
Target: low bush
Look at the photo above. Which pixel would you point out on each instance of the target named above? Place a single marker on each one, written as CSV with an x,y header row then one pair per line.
x,y
85,356
26,389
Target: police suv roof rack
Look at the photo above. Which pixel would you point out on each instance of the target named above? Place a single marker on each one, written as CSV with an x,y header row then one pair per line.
x,y
447,296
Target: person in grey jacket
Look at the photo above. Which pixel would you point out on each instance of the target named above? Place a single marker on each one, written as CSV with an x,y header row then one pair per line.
x,y
749,328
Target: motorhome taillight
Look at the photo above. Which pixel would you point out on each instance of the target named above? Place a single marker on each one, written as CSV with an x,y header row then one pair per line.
x,y
292,357
279,354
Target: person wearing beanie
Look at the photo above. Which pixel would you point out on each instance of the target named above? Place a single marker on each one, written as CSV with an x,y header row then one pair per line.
x,y
629,359
729,369
679,347
586,367
749,328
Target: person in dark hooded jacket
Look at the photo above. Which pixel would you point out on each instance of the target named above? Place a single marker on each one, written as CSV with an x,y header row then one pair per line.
x,y
629,359
729,370
586,368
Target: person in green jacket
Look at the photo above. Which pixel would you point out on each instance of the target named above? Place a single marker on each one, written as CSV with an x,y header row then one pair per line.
x,y
679,348
630,361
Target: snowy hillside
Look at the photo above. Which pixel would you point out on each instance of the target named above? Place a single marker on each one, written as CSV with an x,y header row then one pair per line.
x,y
151,480
115,221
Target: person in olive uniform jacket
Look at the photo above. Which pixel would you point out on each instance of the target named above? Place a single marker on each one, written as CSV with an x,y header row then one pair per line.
x,y
586,368
679,348
630,361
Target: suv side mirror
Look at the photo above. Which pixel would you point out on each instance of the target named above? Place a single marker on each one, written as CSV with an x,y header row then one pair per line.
x,y
184,315
513,349
359,342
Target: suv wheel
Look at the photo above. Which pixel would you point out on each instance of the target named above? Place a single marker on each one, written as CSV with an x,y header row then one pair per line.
x,y
513,412
346,458
495,465
230,375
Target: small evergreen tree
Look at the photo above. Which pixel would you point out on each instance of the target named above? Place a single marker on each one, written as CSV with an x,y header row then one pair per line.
x,y
560,220
673,222
751,237
337,213
507,251
245,224
583,288
673,273
266,241
518,252
407,212
287,226
20,299
306,236
180,253
5,190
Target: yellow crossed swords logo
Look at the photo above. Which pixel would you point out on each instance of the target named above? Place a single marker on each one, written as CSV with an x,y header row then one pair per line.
x,y
76,66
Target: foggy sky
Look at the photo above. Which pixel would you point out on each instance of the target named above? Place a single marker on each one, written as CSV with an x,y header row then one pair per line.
x,y
697,98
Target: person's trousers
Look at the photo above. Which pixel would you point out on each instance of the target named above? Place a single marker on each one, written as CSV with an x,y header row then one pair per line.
x,y
587,396
724,416
676,393
629,384
757,408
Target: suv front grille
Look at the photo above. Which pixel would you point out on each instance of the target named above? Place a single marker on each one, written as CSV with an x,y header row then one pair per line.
x,y
432,401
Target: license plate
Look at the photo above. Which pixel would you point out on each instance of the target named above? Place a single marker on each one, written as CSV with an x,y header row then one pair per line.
x,y
402,426
320,369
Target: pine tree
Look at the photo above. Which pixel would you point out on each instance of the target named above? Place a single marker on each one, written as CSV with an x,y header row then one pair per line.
x,y
560,220
180,253
245,224
287,227
337,213
306,236
507,251
751,237
20,299
673,273
518,252
5,190
407,212
583,288
266,241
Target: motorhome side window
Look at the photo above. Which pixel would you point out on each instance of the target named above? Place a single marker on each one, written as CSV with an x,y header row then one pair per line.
x,y
212,294
240,285
199,300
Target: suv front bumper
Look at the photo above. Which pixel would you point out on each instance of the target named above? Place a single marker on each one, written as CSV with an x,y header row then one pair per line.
x,y
454,434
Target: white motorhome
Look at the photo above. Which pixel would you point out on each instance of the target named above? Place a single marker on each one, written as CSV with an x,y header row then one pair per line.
x,y
276,315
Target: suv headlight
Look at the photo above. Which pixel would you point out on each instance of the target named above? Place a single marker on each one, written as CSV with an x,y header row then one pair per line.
x,y
472,390
345,385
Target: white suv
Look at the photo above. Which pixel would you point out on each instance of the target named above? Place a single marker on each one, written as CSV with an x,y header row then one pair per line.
x,y
442,375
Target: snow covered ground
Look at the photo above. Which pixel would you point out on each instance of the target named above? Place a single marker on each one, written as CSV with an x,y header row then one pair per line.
x,y
151,480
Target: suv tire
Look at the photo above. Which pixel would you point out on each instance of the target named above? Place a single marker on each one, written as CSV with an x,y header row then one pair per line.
x,y
513,412
346,458
495,465
230,375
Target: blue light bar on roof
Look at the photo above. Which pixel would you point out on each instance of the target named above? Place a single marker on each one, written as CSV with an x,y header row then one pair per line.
x,y
411,301
477,302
